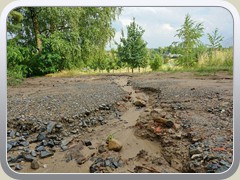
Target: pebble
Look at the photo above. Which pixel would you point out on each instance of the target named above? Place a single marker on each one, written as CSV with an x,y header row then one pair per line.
x,y
50,143
33,153
28,157
18,167
87,143
41,136
9,147
40,148
66,141
196,156
50,126
114,145
45,154
35,164
101,149
25,143
64,148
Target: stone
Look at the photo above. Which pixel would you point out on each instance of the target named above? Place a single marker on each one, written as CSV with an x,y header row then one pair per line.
x,y
66,141
58,126
64,148
140,103
33,153
18,167
45,154
196,150
107,163
24,143
50,126
196,156
114,145
12,134
87,143
13,143
9,147
28,157
115,164
40,148
50,143
41,136
35,164
101,149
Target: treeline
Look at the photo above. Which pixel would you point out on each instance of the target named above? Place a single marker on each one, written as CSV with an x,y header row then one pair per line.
x,y
50,39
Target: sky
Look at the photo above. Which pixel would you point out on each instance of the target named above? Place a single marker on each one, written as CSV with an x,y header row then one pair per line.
x,y
160,23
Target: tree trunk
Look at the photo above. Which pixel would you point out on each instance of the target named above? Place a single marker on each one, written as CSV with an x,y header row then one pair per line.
x,y
132,70
36,29
138,69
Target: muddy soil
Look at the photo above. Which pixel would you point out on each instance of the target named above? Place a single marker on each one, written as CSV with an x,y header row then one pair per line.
x,y
164,123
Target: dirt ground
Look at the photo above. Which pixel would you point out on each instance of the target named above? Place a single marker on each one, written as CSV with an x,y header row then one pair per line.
x,y
164,123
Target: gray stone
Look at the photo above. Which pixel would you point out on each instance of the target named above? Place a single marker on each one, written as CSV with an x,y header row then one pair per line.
x,y
115,164
107,163
9,147
50,126
40,148
28,157
24,143
66,141
45,154
41,136
50,143
18,167
12,133
33,153
64,148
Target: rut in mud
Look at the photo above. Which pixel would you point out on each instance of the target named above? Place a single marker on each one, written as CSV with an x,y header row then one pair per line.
x,y
165,125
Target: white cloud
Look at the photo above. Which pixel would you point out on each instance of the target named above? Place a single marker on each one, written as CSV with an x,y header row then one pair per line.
x,y
160,23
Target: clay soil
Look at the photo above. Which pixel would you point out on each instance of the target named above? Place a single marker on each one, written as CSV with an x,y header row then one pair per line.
x,y
198,137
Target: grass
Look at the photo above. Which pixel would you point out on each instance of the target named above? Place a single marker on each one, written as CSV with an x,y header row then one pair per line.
x,y
221,60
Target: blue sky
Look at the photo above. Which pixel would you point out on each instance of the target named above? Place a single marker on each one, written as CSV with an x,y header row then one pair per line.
x,y
161,23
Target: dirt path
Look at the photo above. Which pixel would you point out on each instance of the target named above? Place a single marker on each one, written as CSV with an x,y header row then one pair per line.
x,y
199,107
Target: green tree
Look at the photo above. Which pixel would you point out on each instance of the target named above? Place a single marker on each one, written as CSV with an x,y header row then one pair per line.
x,y
156,62
215,40
68,37
132,49
189,34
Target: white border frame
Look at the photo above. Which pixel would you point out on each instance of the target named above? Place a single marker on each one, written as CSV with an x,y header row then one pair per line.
x,y
129,3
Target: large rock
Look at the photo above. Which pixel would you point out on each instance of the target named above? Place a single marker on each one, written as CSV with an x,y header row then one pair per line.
x,y
114,145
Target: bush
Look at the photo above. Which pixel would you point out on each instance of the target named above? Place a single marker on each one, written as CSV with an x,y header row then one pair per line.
x,y
156,62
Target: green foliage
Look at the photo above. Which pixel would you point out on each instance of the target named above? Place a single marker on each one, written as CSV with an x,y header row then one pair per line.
x,y
190,34
215,40
132,49
67,38
156,62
